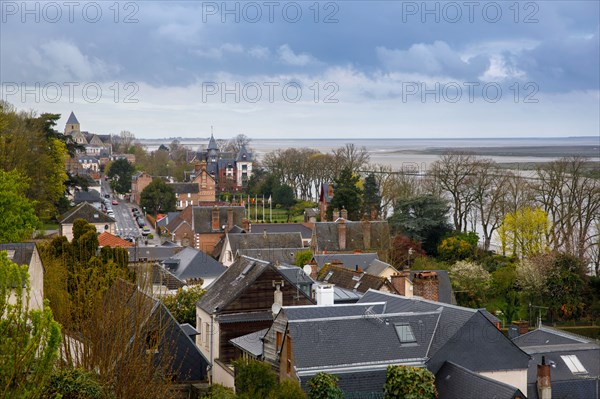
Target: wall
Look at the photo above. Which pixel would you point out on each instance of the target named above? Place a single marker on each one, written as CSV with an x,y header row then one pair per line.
x,y
516,378
67,229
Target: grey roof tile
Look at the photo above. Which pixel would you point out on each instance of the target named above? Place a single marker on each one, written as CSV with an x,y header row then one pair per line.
x,y
281,255
349,261
243,241
548,336
20,253
202,218
327,236
305,231
87,212
454,381
190,263
251,343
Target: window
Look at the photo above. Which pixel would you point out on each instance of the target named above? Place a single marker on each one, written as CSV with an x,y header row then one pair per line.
x,y
207,335
405,333
152,341
573,363
279,339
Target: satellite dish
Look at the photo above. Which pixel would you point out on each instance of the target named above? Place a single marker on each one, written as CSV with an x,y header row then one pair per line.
x,y
307,269
275,308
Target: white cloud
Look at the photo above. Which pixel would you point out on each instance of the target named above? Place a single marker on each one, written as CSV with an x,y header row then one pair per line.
x,y
288,56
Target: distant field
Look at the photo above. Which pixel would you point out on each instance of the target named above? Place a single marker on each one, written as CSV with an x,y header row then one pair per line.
x,y
278,216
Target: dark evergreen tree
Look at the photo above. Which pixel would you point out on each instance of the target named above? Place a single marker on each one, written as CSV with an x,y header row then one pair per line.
x,y
423,219
371,198
346,195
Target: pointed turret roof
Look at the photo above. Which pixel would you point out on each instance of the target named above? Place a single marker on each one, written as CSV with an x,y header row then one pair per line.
x,y
244,155
212,144
72,119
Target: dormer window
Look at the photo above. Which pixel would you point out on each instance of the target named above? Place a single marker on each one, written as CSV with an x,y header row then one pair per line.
x,y
405,333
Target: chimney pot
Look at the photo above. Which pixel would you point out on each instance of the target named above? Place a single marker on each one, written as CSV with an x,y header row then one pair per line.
x,y
229,218
216,222
344,213
342,234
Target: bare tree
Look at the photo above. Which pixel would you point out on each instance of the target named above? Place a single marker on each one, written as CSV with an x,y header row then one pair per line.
x,y
489,191
572,200
454,173
351,157
126,139
236,143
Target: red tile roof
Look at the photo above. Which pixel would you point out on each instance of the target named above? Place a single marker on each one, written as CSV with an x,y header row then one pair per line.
x,y
108,240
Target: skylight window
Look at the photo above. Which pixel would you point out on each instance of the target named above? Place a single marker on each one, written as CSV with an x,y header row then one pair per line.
x,y
328,276
405,333
573,363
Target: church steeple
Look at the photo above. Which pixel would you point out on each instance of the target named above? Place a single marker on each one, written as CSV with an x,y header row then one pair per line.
x,y
72,125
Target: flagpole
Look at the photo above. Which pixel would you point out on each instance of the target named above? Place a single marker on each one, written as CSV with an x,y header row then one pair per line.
x,y
270,210
256,207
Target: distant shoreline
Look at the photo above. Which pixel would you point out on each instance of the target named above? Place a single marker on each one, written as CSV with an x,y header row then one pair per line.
x,y
514,151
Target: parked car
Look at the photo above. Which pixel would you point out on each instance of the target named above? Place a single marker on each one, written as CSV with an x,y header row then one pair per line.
x,y
115,202
106,195
145,231
141,222
134,210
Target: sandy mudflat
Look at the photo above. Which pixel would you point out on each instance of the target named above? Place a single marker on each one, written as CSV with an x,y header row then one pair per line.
x,y
524,151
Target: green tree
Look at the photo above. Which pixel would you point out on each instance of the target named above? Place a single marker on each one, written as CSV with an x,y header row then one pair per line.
x,y
18,221
183,304
284,196
218,391
523,232
67,383
122,171
324,386
423,218
458,247
471,281
371,198
566,284
303,258
403,382
346,195
254,379
288,389
29,339
158,197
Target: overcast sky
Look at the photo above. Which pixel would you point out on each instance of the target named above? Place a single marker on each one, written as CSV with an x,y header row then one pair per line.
x,y
345,69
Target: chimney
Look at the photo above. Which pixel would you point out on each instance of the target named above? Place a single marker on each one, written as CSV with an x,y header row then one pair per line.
x,y
427,285
246,224
324,294
229,218
342,234
197,168
344,214
401,282
544,382
366,230
277,297
216,222
313,271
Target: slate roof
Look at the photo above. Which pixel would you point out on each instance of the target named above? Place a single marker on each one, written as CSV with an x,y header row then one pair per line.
x,y
20,253
231,283
86,196
325,343
108,240
72,119
281,255
150,253
251,343
168,217
189,329
342,295
304,230
453,381
240,155
350,279
546,336
324,312
445,292
188,363
212,143
349,261
327,236
260,240
377,267
87,212
190,263
184,188
202,218
461,336
295,274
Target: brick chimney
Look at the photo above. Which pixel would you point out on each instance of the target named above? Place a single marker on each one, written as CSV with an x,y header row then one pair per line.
x,y
344,213
426,285
229,218
401,283
216,222
197,167
341,225
544,382
246,224
314,271
366,231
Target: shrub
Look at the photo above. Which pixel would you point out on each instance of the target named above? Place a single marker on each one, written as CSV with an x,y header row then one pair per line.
x,y
73,384
254,379
402,382
324,386
218,391
288,389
